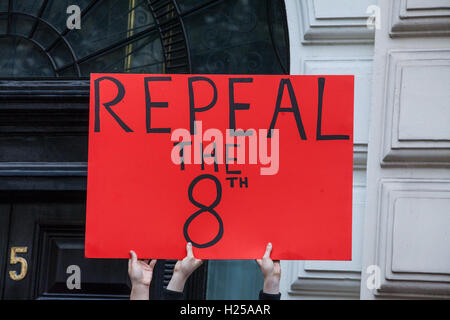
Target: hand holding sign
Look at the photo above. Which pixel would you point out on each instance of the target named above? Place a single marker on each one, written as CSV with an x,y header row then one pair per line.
x,y
183,270
141,274
271,271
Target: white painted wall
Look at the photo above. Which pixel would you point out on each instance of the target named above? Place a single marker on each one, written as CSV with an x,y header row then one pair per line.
x,y
407,218
331,37
402,210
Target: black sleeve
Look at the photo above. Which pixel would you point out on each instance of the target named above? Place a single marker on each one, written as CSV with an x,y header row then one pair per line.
x,y
268,296
172,295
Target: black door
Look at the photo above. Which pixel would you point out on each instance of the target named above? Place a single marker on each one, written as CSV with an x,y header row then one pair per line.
x,y
47,231
44,97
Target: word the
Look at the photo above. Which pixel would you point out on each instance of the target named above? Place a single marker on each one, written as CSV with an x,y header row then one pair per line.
x,y
218,152
285,85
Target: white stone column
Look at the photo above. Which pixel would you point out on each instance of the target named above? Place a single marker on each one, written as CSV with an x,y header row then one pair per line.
x,y
407,218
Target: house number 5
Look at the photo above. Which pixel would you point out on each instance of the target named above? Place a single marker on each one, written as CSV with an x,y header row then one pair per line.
x,y
23,263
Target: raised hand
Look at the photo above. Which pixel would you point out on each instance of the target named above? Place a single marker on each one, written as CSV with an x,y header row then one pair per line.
x,y
140,273
183,269
271,271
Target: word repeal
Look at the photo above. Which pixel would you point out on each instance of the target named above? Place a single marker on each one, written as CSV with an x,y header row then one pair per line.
x,y
285,85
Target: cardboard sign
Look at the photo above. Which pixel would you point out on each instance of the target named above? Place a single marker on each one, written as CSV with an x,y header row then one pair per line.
x,y
227,162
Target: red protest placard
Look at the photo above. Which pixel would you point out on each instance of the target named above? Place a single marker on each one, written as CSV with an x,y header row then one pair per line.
x,y
276,166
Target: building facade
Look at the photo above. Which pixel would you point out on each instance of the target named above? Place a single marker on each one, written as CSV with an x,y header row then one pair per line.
x,y
401,216
398,51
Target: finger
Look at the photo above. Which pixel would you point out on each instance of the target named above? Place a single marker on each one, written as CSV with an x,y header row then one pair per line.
x,y
277,264
152,263
133,256
198,262
268,250
146,261
259,262
190,254
277,267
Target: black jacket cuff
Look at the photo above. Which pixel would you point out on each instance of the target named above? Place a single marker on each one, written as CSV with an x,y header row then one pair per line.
x,y
172,295
268,296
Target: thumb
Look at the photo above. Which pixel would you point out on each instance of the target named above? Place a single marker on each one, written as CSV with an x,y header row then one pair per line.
x,y
133,256
190,254
198,262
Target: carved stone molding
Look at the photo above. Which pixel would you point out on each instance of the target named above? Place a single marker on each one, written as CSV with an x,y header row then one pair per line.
x,y
327,288
327,21
420,18
42,169
44,90
412,249
43,135
32,107
417,94
360,156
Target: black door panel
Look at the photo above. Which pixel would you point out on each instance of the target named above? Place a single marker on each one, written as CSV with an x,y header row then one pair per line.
x,y
44,104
